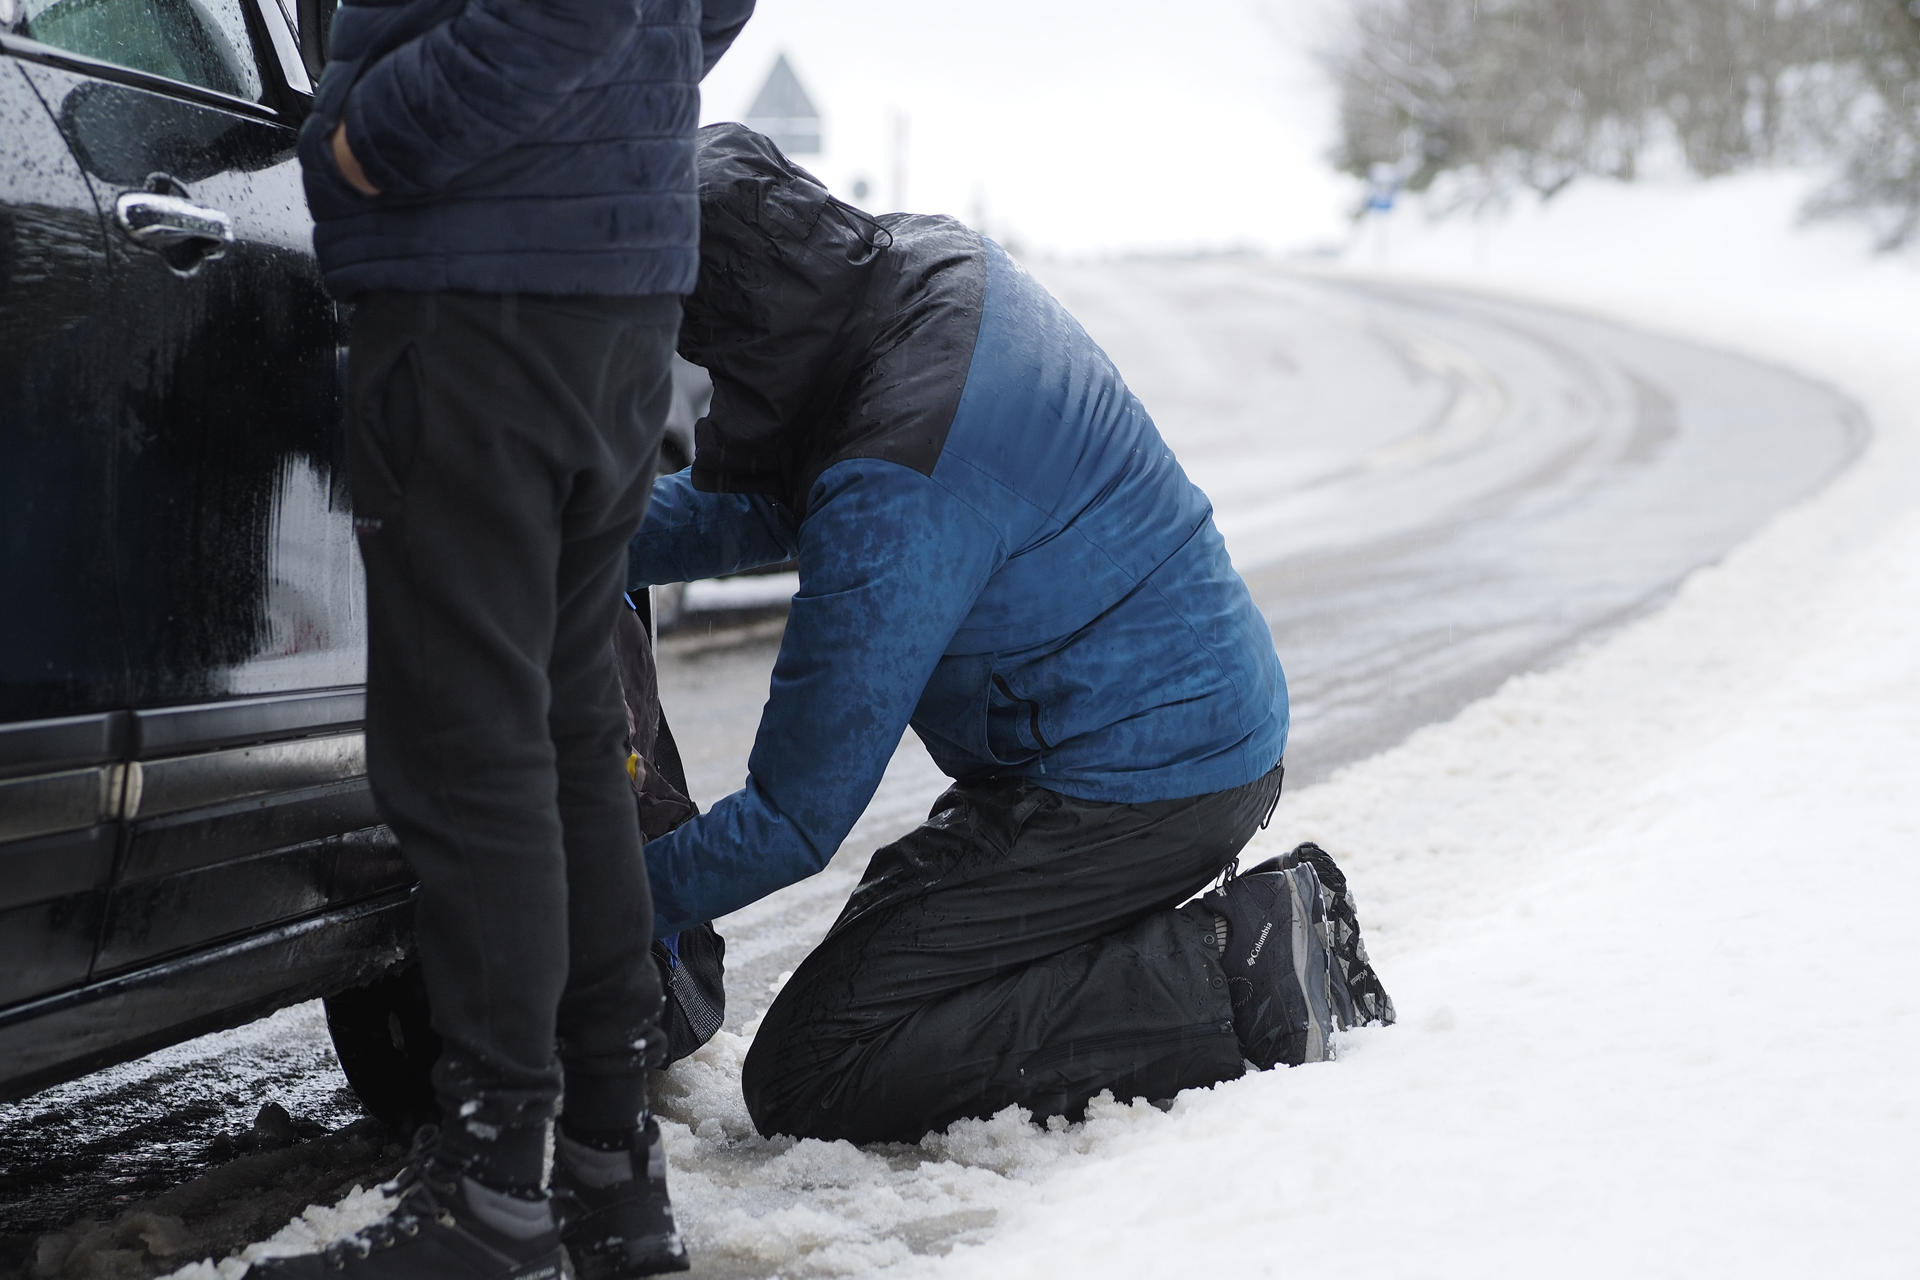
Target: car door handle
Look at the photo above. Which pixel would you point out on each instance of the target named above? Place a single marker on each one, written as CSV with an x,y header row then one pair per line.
x,y
183,233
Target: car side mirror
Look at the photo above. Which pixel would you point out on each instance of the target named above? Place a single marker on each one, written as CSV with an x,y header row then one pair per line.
x,y
315,17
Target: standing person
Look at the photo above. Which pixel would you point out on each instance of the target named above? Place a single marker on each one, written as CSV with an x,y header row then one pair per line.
x,y
995,549
504,189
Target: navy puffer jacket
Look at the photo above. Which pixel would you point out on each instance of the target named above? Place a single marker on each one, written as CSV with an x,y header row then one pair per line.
x,y
520,146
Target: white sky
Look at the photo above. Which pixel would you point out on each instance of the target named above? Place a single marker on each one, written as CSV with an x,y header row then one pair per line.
x,y
1071,125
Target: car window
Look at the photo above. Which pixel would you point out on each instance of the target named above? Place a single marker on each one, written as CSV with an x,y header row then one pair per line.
x,y
202,42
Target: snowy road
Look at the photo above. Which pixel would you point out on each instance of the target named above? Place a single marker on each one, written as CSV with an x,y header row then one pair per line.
x,y
1427,491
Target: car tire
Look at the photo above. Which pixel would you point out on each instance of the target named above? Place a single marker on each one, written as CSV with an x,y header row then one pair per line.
x,y
383,1035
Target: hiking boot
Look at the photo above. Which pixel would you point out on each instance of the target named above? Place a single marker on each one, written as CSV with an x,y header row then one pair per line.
x,y
1277,963
445,1225
1296,968
617,1222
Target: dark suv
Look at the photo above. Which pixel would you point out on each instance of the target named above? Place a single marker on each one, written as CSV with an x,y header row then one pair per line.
x,y
187,840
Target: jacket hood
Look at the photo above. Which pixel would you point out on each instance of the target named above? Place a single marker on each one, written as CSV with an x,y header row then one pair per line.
x,y
784,269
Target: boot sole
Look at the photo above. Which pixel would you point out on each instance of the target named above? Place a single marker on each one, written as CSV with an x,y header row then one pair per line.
x,y
1359,997
1312,962
652,1257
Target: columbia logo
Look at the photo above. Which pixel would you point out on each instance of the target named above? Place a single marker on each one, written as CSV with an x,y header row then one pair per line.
x,y
364,525
1259,942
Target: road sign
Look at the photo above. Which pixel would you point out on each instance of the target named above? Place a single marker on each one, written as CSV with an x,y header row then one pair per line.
x,y
783,111
1383,184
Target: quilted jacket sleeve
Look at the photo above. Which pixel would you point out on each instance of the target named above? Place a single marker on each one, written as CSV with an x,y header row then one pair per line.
x,y
469,88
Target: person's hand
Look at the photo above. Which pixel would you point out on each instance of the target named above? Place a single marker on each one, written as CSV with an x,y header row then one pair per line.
x,y
349,167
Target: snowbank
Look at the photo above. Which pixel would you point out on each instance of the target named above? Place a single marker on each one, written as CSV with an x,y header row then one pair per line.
x,y
1648,915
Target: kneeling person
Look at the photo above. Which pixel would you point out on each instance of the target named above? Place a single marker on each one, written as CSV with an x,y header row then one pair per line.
x,y
995,548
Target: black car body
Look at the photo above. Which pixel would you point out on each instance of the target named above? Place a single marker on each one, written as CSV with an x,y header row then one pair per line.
x,y
186,835
187,839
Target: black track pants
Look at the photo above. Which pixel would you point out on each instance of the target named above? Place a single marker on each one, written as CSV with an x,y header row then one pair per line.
x,y
1020,946
500,454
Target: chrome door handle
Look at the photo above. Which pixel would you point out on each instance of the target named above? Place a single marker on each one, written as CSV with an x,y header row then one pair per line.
x,y
184,233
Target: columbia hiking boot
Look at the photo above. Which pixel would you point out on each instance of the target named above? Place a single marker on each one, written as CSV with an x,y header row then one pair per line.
x,y
445,1227
617,1221
1296,968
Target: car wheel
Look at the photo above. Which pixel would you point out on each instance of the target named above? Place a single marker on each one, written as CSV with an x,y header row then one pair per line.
x,y
383,1034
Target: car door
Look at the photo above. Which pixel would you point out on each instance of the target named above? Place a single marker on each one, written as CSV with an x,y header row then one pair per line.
x,y
63,677
237,576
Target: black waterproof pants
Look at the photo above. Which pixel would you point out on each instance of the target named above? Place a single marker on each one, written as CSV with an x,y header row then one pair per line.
x,y
1020,946
500,453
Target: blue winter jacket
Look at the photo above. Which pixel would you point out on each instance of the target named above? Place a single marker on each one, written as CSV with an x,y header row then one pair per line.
x,y
995,546
520,146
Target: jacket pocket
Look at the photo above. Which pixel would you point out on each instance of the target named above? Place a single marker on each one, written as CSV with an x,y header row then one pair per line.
x,y
329,194
383,435
328,190
1015,734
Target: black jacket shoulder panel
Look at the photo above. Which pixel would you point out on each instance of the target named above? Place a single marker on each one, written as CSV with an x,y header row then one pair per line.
x,y
918,330
829,334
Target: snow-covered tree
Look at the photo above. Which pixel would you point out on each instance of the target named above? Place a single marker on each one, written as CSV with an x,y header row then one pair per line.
x,y
1500,95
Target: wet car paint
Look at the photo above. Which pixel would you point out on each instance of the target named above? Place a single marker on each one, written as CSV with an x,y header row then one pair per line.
x,y
56,532
234,542
181,767
56,340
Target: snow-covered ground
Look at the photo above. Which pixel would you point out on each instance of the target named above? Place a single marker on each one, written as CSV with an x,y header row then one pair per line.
x,y
1647,916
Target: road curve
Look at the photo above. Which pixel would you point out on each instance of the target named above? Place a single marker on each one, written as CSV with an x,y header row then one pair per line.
x,y
1429,490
